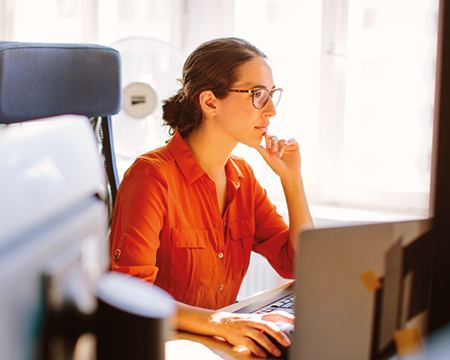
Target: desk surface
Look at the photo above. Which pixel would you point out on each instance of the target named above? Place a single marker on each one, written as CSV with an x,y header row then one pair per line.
x,y
183,345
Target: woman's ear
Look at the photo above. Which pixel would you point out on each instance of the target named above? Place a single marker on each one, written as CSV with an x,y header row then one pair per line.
x,y
208,102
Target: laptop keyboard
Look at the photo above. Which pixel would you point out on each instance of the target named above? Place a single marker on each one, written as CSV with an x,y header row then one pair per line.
x,y
286,303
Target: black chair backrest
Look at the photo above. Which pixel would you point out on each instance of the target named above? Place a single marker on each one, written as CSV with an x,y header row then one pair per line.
x,y
40,80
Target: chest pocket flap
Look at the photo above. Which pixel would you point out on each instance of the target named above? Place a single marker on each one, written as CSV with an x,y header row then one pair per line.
x,y
242,228
189,238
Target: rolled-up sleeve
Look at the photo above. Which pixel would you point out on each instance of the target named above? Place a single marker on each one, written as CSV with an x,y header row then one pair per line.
x,y
139,215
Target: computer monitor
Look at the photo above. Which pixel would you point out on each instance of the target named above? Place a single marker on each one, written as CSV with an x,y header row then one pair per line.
x,y
53,226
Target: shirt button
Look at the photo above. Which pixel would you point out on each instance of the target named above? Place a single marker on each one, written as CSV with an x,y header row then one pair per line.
x,y
221,287
117,254
220,255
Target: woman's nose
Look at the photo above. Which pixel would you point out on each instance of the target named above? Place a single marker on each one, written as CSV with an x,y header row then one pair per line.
x,y
270,107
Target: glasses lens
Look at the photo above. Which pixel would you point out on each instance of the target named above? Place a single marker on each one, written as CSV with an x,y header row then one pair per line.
x,y
276,96
260,98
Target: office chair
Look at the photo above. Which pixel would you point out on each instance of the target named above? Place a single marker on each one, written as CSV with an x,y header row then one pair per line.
x,y
40,80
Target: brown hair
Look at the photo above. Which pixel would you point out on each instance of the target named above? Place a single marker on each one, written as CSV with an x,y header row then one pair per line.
x,y
212,66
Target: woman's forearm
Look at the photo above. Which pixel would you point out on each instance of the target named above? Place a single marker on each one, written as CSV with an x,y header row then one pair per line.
x,y
297,204
196,320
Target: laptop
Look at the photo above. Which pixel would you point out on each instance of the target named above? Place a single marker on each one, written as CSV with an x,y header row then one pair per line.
x,y
355,286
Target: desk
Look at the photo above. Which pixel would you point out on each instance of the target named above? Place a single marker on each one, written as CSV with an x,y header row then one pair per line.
x,y
183,345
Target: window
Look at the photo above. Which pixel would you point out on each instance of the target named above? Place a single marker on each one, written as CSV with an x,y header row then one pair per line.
x,y
388,113
358,79
50,20
120,19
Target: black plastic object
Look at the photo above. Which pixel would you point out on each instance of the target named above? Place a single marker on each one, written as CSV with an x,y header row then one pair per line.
x,y
133,319
128,318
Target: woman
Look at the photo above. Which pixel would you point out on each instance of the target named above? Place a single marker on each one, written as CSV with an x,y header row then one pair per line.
x,y
188,214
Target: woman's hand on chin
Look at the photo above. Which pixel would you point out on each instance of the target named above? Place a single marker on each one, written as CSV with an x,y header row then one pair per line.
x,y
283,156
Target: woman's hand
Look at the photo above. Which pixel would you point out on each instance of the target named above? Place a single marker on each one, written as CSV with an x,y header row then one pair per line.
x,y
248,330
283,156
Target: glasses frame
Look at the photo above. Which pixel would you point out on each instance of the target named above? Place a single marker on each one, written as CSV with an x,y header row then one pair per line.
x,y
253,91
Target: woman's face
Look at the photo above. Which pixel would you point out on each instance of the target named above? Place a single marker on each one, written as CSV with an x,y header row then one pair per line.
x,y
237,116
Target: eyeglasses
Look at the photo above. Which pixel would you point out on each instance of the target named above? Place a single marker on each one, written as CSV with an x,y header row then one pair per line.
x,y
260,97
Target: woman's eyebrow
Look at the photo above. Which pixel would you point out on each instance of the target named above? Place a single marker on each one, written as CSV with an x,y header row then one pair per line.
x,y
261,87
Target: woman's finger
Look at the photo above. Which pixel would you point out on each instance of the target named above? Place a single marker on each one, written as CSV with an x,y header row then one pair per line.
x,y
253,347
281,147
273,330
259,340
271,142
268,140
274,144
279,316
258,329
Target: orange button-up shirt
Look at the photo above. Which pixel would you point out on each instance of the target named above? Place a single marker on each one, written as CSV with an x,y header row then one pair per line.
x,y
167,227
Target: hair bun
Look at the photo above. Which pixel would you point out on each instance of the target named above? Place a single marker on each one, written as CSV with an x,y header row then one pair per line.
x,y
172,109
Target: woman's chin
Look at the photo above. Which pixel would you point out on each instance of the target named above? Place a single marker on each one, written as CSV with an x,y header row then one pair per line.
x,y
254,142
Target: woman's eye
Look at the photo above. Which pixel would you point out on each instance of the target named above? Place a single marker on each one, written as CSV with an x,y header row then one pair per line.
x,y
257,93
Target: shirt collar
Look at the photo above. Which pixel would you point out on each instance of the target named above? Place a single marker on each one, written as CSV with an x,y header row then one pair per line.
x,y
184,158
189,165
234,174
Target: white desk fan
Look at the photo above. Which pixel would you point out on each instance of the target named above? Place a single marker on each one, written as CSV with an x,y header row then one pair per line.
x,y
150,69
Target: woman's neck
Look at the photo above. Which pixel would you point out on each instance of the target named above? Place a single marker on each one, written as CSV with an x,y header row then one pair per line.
x,y
210,150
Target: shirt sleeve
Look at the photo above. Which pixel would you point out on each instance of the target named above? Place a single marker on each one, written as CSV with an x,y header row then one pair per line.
x,y
272,234
138,218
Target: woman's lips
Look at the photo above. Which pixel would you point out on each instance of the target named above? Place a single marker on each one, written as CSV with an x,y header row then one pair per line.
x,y
262,128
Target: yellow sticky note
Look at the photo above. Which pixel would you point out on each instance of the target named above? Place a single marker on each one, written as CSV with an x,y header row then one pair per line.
x,y
408,341
370,280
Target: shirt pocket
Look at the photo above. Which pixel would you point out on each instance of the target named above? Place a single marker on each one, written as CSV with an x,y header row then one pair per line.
x,y
192,267
242,233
